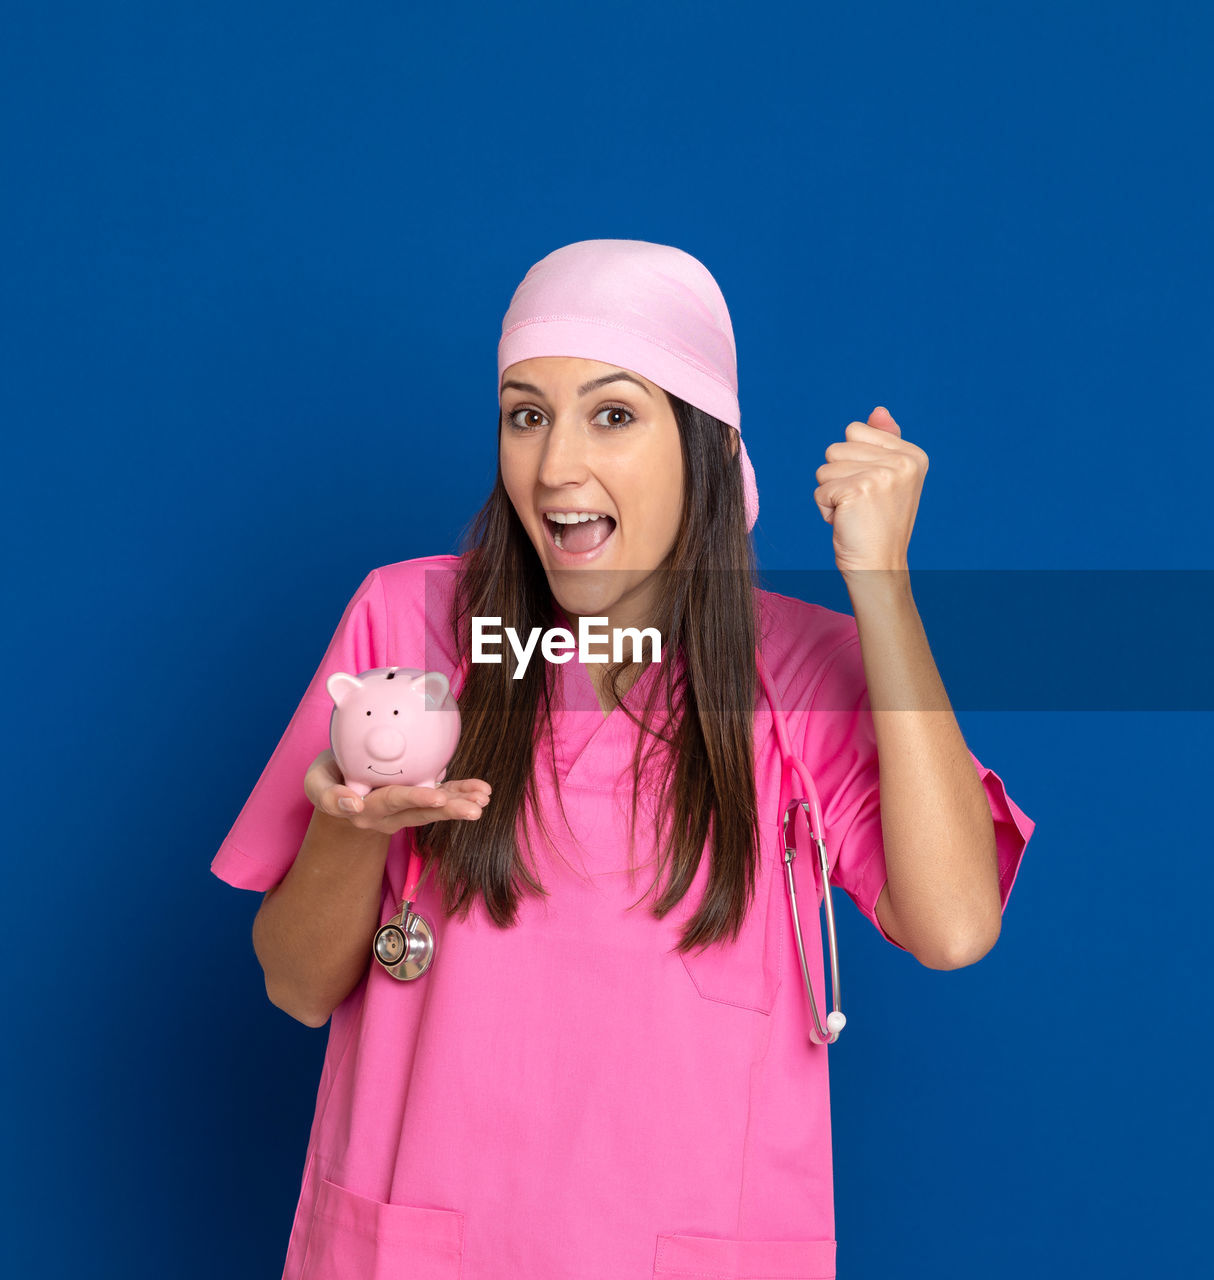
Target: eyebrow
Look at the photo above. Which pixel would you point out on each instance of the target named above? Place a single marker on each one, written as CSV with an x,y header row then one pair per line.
x,y
585,388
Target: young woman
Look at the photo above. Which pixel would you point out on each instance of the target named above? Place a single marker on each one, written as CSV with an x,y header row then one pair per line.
x,y
608,1070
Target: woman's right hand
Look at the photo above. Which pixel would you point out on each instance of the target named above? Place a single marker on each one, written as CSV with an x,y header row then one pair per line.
x,y
388,809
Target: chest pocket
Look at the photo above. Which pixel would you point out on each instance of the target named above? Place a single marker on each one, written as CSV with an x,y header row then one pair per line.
x,y
747,971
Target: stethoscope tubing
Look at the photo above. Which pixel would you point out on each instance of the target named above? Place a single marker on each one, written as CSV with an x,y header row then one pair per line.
x,y
811,806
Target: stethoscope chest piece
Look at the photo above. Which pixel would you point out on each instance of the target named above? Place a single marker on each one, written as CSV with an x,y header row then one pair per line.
x,y
405,945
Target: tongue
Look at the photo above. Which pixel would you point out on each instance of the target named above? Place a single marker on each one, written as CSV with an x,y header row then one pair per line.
x,y
587,535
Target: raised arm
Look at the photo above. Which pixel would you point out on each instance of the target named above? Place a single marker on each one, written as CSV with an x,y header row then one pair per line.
x,y
941,900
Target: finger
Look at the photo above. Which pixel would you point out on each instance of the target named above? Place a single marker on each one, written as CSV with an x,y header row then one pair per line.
x,y
825,506
886,437
341,802
464,810
325,765
857,450
397,798
466,799
835,493
473,788
833,472
324,786
455,806
464,785
883,420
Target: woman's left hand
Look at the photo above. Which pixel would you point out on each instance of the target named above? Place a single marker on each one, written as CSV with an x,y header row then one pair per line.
x,y
868,490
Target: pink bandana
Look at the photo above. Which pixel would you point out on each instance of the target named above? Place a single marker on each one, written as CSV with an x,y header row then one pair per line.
x,y
650,308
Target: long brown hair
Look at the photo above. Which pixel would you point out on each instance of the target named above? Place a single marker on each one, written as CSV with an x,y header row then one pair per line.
x,y
704,741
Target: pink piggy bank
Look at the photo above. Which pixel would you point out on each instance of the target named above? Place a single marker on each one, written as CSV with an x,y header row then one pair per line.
x,y
392,725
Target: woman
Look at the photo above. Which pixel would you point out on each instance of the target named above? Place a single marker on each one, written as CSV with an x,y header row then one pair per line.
x,y
608,1071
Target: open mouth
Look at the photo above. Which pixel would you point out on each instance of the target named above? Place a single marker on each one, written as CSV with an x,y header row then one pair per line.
x,y
576,540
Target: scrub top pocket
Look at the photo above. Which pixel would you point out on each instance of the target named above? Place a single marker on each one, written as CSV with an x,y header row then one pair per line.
x,y
355,1238
747,971
718,1259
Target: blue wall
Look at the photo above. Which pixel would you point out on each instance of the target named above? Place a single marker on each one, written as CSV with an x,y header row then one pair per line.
x,y
256,263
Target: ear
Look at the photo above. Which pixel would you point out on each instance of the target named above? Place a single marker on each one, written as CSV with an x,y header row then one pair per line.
x,y
733,442
434,686
341,685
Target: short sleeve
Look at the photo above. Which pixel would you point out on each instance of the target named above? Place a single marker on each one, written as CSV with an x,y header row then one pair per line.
x,y
261,846
841,740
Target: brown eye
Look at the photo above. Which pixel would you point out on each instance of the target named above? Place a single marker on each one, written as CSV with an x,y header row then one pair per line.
x,y
512,418
616,409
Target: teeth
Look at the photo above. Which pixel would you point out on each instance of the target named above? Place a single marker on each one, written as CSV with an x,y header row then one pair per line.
x,y
560,518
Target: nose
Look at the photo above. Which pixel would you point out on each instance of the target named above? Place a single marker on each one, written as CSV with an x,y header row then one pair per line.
x,y
564,458
384,744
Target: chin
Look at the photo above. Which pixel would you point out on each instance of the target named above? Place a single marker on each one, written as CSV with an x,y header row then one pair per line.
x,y
582,604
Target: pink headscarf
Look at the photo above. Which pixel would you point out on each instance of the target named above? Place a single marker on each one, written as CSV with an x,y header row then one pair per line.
x,y
647,307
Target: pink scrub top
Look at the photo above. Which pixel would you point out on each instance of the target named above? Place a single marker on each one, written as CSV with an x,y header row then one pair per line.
x,y
572,1097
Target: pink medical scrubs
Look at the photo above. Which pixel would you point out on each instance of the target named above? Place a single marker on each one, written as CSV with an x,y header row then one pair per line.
x,y
571,1099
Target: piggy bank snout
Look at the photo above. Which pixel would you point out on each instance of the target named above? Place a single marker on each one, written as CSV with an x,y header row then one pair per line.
x,y
384,743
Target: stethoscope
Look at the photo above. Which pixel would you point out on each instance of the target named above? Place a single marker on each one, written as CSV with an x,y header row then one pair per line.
x,y
404,946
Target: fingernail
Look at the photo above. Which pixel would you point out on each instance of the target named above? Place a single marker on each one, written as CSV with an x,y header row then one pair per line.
x,y
347,804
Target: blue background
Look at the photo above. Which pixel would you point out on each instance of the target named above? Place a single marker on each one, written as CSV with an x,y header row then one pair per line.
x,y
256,261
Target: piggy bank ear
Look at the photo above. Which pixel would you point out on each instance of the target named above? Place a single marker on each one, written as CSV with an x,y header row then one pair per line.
x,y
434,685
341,686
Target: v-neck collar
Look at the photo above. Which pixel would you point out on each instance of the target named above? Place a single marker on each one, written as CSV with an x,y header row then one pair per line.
x,y
595,748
